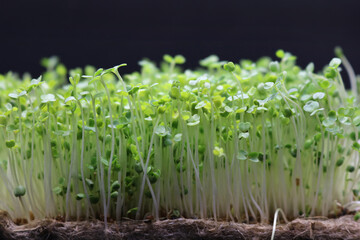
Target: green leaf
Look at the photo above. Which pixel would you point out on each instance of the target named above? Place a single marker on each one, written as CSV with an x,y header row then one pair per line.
x,y
161,131
324,83
71,98
230,66
114,195
335,63
177,137
254,157
318,95
57,190
356,146
340,161
311,106
243,135
330,120
200,105
10,143
280,53
194,120
131,211
90,183
80,196
115,186
219,152
209,61
179,59
268,85
48,98
167,58
13,95
105,162
316,111
350,168
242,155
19,191
338,52
274,66
244,126
87,128
356,121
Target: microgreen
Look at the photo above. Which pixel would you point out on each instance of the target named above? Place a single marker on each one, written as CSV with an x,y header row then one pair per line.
x,y
231,140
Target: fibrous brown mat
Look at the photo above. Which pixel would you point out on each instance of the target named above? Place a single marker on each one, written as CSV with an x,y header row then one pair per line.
x,y
312,228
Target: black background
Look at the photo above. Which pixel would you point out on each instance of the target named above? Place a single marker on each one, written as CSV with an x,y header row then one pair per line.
x,y
108,32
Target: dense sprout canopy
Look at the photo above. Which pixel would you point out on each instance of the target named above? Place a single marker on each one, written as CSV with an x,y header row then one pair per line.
x,y
232,141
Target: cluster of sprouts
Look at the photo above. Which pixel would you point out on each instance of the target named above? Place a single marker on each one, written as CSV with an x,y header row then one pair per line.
x,y
226,141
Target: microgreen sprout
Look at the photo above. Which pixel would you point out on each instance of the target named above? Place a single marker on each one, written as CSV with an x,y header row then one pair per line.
x,y
233,141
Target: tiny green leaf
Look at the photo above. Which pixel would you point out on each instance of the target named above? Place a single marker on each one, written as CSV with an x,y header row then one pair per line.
x,y
242,155
80,196
19,191
254,157
311,106
230,66
335,62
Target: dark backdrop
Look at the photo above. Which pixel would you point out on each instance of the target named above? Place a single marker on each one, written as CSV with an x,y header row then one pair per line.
x,y
108,32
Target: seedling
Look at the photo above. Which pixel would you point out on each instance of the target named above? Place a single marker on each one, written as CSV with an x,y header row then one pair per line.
x,y
233,141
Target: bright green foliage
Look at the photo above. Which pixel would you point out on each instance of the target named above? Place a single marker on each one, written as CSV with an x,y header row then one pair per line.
x,y
19,191
229,140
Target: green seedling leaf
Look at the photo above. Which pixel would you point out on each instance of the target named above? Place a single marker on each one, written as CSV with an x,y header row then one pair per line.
x,y
3,120
242,155
254,157
209,61
48,98
356,146
244,126
318,95
310,67
57,190
194,120
340,161
324,83
219,152
311,106
13,95
93,129
161,131
177,137
244,135
69,99
280,53
90,183
357,216
356,121
80,196
230,66
132,211
350,169
335,63
105,161
19,191
115,186
316,111
274,66
268,85
94,199
200,105
330,120
167,58
10,143
114,195
179,59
